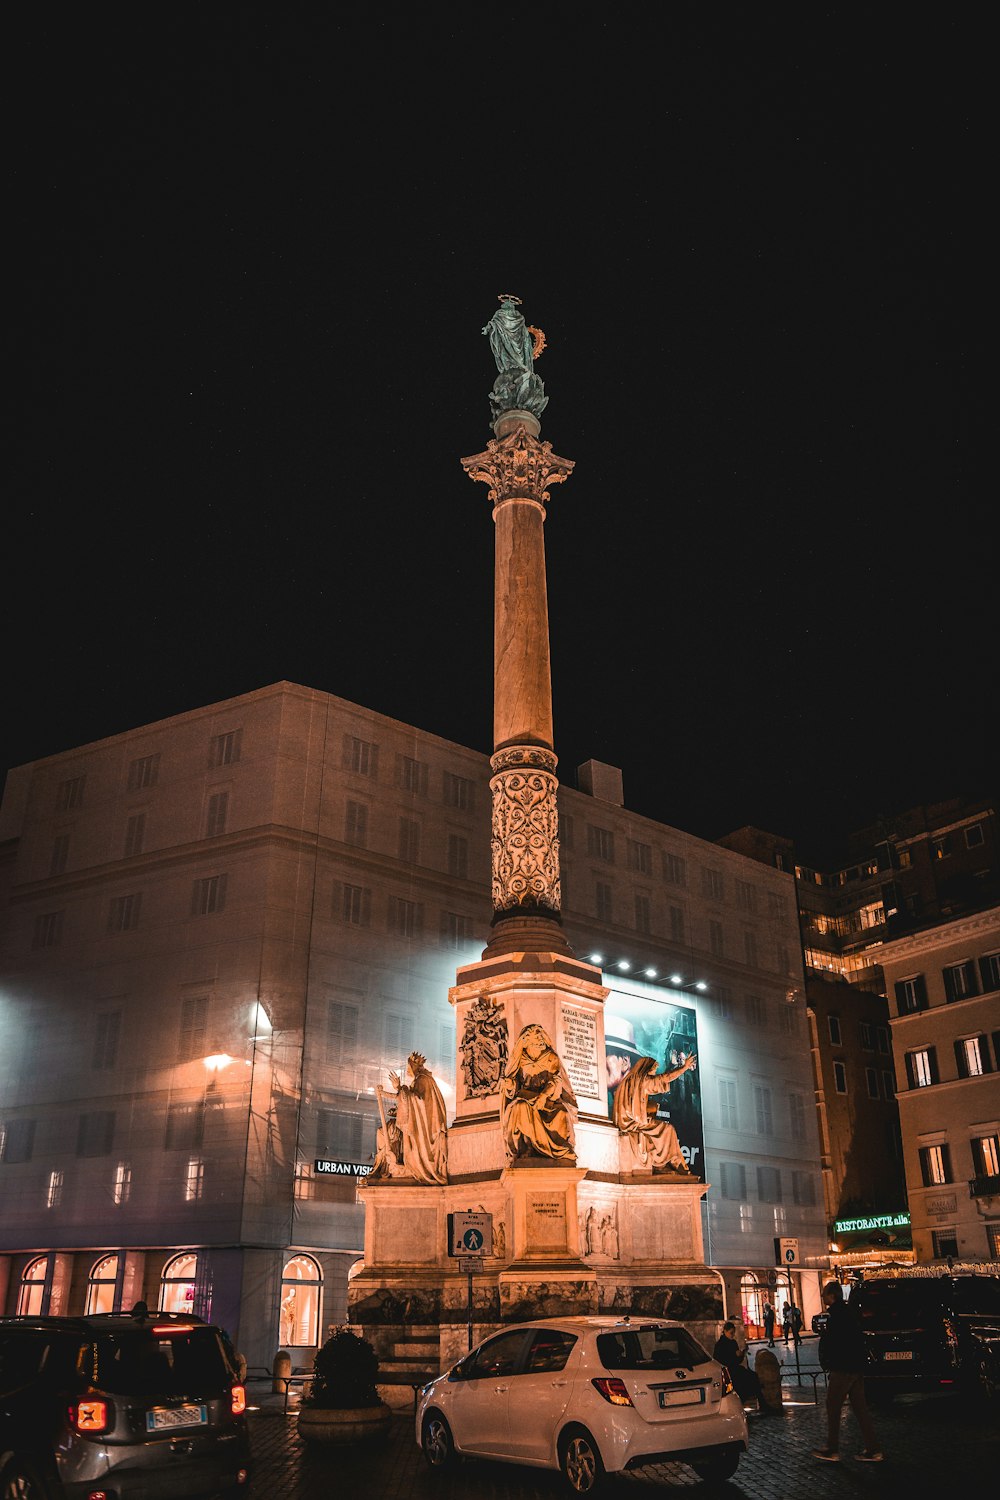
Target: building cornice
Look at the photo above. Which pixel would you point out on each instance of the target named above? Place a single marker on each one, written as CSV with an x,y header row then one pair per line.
x,y
942,932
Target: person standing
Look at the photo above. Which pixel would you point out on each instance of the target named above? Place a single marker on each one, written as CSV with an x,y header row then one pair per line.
x,y
768,1316
786,1320
843,1355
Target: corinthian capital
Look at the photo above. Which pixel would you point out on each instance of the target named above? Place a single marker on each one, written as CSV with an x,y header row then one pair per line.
x,y
518,466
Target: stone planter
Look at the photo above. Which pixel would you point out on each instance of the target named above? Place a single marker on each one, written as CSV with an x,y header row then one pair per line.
x,y
341,1425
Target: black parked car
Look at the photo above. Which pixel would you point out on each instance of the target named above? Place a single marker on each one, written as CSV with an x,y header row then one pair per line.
x,y
931,1331
122,1404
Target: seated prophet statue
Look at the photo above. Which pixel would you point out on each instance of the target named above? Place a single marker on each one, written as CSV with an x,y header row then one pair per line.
x,y
654,1141
537,1104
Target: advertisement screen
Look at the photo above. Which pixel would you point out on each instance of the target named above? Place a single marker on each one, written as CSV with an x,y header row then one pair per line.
x,y
668,1033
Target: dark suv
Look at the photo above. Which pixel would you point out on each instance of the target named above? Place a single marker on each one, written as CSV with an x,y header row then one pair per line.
x,y
925,1331
120,1405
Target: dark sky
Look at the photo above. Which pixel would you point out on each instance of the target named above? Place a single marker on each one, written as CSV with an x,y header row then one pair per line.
x,y
254,255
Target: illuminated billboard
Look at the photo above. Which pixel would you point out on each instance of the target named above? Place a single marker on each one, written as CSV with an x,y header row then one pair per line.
x,y
668,1033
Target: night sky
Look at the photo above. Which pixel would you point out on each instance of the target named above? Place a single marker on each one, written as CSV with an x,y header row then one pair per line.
x,y
253,257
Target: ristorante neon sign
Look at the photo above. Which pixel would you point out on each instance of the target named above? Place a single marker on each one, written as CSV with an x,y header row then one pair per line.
x,y
875,1221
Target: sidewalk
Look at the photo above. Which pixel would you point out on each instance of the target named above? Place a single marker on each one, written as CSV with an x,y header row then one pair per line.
x,y
932,1444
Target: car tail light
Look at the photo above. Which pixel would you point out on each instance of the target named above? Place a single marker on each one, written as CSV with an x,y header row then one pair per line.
x,y
172,1328
97,1495
90,1416
242,1475
727,1382
239,1399
613,1390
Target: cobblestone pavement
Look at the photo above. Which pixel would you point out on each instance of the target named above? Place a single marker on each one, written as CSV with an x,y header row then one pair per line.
x,y
934,1445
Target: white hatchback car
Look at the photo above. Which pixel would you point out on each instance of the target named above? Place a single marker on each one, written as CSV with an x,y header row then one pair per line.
x,y
586,1395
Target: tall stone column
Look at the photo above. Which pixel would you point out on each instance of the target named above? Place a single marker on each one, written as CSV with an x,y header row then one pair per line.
x,y
519,469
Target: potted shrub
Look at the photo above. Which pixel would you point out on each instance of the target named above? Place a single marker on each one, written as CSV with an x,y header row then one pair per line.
x,y
343,1405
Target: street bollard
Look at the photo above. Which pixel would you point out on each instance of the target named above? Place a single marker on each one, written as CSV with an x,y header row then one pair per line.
x,y
281,1370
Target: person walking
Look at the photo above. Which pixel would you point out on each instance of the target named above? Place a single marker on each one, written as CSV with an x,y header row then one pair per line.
x,y
728,1352
768,1316
843,1355
795,1315
786,1320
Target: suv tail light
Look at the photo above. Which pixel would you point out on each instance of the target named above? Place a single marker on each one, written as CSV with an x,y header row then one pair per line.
x,y
239,1399
91,1415
612,1389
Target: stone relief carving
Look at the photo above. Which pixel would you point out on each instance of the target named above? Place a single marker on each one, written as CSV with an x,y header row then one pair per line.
x,y
483,1048
525,830
599,1232
518,465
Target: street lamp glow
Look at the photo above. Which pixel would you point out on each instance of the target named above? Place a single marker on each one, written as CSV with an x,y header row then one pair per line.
x,y
217,1061
595,958
624,965
651,973
701,985
676,979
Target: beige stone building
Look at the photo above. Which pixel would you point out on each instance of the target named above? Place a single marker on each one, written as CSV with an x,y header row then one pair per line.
x,y
221,931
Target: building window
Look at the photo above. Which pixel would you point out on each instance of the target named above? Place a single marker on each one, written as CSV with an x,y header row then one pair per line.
x,y
989,968
600,843
36,1288
185,1127
194,1179
301,1293
458,856
341,1136
974,836
103,1294
865,1035
840,1077
642,914
911,994
746,896
711,884
122,1187
194,1019
796,1116
208,895
69,794
95,1133
888,1085
833,1026
939,847
716,940
728,1113
398,1033
945,1242
723,1002
405,917
47,929
107,1029
356,824
411,775
225,750
341,1031
604,902
360,756
935,1165
803,1189
921,1067
143,773
54,1191
755,1010
458,792
124,912
769,1184
638,857
674,869
762,1110
216,814
456,929
565,831
871,1079
960,981
17,1141
677,926
353,904
733,1176
303,1190
409,841
177,1284
882,1040
60,854
135,834
986,1155
973,1056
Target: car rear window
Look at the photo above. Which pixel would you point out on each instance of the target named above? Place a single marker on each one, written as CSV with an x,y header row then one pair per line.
x,y
161,1362
649,1348
978,1295
899,1304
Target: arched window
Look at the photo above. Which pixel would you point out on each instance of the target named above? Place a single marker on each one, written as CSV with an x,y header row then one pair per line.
x,y
177,1284
102,1285
301,1292
36,1286
752,1295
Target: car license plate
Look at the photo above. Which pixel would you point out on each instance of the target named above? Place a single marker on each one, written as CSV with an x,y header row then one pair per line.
x,y
899,1354
684,1397
165,1418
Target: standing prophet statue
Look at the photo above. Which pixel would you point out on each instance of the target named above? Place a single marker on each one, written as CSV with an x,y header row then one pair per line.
x,y
515,348
420,1134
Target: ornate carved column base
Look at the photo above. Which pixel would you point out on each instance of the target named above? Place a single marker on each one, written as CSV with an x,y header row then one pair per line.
x,y
520,932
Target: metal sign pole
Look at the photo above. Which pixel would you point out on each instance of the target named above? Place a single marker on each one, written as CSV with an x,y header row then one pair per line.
x,y
469,1287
